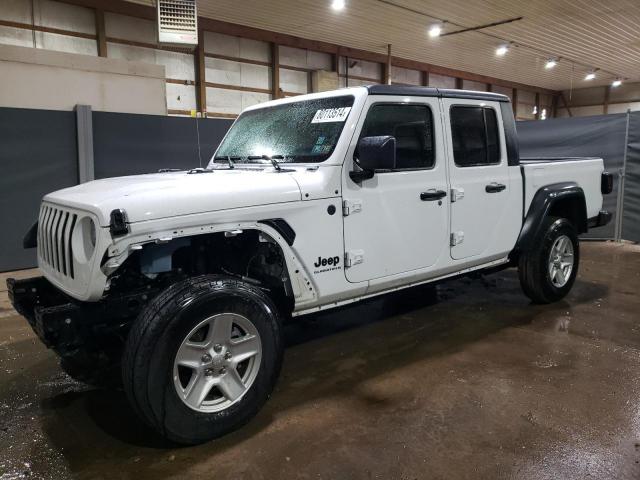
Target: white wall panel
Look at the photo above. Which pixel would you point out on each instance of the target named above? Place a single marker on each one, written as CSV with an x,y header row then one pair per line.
x,y
585,111
16,11
352,82
625,92
406,76
503,90
230,46
225,72
524,96
255,76
476,86
129,28
525,111
366,69
65,43
296,57
177,65
37,78
299,57
16,36
319,60
294,81
254,50
251,98
131,53
441,81
64,16
181,97
224,101
623,107
221,44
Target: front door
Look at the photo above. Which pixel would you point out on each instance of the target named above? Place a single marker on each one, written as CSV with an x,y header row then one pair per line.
x,y
397,221
481,200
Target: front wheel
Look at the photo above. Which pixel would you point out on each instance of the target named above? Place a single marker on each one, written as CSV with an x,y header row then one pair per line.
x,y
202,358
547,272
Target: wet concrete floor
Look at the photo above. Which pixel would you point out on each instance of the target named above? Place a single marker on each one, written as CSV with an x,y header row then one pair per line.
x,y
476,383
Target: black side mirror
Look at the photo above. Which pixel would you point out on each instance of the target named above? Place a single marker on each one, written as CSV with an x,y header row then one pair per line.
x,y
374,153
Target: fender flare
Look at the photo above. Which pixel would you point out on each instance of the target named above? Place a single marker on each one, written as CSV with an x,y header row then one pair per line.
x,y
543,201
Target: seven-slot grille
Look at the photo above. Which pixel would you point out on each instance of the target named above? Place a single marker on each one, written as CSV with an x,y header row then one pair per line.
x,y
55,227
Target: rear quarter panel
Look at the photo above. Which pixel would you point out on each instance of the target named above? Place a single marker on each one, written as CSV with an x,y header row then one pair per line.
x,y
585,173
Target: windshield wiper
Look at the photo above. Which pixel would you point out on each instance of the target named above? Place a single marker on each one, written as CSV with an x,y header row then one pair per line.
x,y
272,158
199,170
231,161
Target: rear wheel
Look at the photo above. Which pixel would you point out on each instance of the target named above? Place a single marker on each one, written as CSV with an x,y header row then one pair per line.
x,y
547,272
202,358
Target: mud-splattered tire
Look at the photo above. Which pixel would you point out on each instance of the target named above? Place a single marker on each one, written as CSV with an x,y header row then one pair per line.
x,y
210,332
547,272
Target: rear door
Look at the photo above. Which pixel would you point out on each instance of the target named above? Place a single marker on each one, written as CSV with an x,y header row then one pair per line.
x,y
479,177
397,221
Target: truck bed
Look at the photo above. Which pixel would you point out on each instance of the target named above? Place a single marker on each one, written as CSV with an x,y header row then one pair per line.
x,y
585,171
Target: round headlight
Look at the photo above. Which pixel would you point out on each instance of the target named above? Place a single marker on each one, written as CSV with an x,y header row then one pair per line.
x,y
84,239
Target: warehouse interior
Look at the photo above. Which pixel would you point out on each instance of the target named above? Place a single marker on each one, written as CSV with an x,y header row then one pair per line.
x,y
461,379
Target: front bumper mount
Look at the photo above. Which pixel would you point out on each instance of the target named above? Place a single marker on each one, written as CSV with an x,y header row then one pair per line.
x,y
65,324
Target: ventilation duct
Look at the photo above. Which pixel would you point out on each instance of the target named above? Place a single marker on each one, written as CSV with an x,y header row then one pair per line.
x,y
177,22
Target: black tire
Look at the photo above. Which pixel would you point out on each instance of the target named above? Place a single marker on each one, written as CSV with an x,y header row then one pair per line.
x,y
533,267
153,342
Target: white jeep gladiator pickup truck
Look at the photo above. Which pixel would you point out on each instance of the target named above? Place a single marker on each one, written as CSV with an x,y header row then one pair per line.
x,y
181,280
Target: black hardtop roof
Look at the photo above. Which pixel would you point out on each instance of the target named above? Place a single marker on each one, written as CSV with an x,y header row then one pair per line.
x,y
434,92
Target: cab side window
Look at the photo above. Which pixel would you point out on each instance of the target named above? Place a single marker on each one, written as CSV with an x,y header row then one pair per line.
x,y
475,137
412,127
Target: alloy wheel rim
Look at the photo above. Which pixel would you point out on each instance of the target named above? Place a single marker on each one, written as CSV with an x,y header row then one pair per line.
x,y
217,362
561,261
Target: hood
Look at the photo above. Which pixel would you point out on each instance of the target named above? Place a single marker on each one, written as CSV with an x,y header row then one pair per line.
x,y
160,195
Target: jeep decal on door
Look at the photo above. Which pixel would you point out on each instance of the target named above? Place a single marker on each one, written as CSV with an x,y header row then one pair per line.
x,y
333,263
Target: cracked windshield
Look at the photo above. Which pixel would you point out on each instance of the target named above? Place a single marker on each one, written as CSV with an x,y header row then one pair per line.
x,y
299,132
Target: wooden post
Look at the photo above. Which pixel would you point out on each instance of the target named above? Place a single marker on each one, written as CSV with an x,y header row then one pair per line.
x,y
566,105
514,102
387,69
489,87
554,106
607,94
537,106
201,80
425,78
101,37
459,83
275,71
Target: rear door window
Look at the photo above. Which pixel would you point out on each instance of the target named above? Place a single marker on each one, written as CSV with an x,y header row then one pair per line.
x,y
475,136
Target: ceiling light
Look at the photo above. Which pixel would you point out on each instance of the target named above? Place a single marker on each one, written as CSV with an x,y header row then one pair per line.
x,y
435,30
590,76
552,62
502,50
337,4
616,83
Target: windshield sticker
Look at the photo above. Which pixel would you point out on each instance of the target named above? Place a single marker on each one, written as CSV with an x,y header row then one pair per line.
x,y
321,149
331,115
